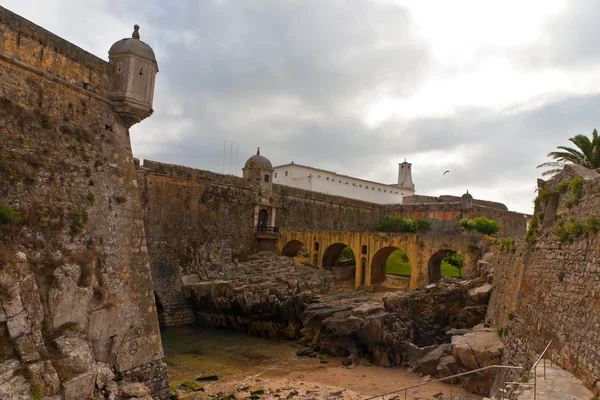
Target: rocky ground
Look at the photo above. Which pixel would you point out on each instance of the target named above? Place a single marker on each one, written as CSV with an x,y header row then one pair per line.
x,y
272,297
263,296
310,380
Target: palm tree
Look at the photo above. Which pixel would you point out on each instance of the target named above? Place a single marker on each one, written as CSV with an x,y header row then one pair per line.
x,y
586,153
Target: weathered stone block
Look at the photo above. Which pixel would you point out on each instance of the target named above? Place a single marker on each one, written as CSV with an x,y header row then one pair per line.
x,y
18,325
26,349
80,387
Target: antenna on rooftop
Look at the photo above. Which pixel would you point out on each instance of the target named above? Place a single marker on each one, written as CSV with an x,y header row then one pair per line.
x,y
237,159
224,147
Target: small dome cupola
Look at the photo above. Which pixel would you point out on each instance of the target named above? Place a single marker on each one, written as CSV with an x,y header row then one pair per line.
x,y
133,70
258,161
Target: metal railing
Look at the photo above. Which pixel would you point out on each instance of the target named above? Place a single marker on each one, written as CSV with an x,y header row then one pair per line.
x,y
451,378
534,371
266,229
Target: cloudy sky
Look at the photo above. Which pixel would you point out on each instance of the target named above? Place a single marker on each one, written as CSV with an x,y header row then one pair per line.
x,y
481,88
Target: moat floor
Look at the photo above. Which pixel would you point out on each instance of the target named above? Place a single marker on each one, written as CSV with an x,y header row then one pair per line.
x,y
249,362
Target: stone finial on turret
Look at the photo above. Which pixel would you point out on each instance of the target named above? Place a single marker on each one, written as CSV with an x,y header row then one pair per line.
x,y
136,32
133,70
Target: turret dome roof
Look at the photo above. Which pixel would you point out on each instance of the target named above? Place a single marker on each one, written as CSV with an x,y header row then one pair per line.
x,y
258,161
133,45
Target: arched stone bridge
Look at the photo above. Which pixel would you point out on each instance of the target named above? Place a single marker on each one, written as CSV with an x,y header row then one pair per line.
x,y
371,250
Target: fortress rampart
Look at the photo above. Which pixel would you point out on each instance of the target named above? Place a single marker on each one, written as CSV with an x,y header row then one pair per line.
x,y
75,278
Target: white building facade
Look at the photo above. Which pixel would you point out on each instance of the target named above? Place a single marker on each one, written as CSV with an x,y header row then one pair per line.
x,y
328,182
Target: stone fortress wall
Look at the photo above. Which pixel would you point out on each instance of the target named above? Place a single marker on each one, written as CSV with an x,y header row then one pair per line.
x,y
75,284
550,289
193,215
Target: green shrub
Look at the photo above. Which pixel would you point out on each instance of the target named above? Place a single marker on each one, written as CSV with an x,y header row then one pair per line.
x,y
468,224
560,233
393,223
592,224
575,187
530,236
91,197
542,198
8,215
512,315
562,187
508,246
454,260
42,219
574,227
482,225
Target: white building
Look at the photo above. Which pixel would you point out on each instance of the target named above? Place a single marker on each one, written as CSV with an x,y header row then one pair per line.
x,y
320,180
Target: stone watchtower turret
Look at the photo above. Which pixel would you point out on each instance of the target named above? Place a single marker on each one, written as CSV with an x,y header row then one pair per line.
x,y
133,69
405,176
259,170
466,201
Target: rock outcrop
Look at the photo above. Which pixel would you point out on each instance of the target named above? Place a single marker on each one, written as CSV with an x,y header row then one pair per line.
x,y
478,349
386,330
263,296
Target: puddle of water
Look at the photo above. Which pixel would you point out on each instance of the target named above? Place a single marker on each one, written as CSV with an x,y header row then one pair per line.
x,y
192,351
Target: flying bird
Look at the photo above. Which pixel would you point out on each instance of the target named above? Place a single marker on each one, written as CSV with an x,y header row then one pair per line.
x,y
446,172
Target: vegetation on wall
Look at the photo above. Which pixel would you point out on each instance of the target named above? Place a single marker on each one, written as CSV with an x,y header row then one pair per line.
x,y
482,225
585,153
533,228
575,187
392,223
542,198
8,215
574,228
508,246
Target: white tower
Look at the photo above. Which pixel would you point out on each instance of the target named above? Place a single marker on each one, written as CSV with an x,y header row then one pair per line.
x,y
405,176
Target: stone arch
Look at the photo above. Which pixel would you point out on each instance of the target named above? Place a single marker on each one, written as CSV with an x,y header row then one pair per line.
x,y
434,265
342,270
263,218
331,255
379,261
292,248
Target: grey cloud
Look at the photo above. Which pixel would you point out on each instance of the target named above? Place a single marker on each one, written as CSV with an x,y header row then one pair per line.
x,y
570,39
291,76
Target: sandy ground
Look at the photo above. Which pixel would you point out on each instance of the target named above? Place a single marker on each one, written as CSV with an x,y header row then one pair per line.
x,y
308,379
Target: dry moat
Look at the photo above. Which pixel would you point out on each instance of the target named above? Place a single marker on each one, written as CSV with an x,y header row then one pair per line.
x,y
245,363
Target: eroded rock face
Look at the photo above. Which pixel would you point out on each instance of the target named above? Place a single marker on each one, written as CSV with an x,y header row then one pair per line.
x,y
468,352
264,296
385,330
